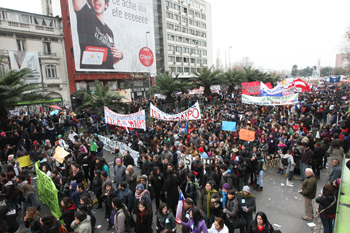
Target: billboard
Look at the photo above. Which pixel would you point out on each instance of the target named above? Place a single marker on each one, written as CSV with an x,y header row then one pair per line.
x,y
113,35
21,59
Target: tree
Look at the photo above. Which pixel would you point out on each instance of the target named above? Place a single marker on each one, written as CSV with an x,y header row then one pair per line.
x,y
246,62
326,71
207,77
14,89
252,74
295,71
167,85
233,78
103,96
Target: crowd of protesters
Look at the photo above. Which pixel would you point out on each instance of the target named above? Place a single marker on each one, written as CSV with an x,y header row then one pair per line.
x,y
300,139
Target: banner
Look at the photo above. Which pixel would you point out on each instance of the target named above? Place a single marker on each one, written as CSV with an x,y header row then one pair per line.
x,y
193,113
47,191
110,145
187,159
269,100
246,135
24,161
22,59
113,36
229,125
265,91
136,120
60,154
251,88
288,91
197,91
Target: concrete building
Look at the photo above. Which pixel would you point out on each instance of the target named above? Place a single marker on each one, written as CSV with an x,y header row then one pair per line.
x,y
183,36
23,31
341,60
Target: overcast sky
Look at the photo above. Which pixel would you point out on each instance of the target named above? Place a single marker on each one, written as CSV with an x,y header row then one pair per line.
x,y
274,34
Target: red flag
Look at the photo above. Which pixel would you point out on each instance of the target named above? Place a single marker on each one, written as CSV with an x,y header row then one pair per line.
x,y
300,85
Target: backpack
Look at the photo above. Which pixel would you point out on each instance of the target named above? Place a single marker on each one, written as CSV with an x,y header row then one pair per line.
x,y
62,229
129,221
285,161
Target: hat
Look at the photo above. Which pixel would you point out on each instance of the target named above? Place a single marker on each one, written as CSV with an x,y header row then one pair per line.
x,y
118,160
74,185
189,201
95,135
2,134
143,177
59,136
201,149
246,189
338,182
140,187
226,186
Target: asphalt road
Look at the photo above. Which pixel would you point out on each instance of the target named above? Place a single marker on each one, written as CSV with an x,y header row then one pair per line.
x,y
282,205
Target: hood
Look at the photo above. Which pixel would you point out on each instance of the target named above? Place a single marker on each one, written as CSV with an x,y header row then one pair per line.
x,y
9,183
70,208
86,220
74,185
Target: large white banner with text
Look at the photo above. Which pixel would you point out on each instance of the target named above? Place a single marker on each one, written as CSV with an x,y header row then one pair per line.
x,y
193,113
269,100
136,120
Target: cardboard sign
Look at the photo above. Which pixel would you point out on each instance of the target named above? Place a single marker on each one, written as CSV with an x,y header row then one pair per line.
x,y
246,135
229,125
60,154
24,161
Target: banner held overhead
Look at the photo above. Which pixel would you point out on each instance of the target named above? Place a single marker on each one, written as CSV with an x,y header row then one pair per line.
x,y
269,100
193,113
136,120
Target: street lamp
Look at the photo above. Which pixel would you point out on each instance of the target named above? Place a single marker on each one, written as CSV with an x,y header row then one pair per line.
x,y
149,74
229,57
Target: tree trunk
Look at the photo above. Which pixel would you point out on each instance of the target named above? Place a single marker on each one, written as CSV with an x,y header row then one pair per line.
x,y
207,91
230,89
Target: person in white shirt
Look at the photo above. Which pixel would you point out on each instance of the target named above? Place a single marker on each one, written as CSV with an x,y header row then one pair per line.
x,y
61,142
71,135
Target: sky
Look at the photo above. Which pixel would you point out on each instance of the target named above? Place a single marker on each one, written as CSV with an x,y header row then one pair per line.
x,y
274,34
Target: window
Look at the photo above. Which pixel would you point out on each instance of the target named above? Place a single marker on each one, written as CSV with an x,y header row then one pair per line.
x,y
204,25
192,32
50,71
199,42
204,44
179,39
185,30
199,61
170,37
193,60
205,61
170,48
46,48
178,17
193,51
178,59
191,12
169,15
21,45
191,21
178,28
180,69
178,49
186,59
186,40
170,26
172,69
193,70
205,52
24,18
198,24
184,9
203,17
185,20
187,69
199,52
197,14
171,58
197,33
204,34
169,4
186,50
177,7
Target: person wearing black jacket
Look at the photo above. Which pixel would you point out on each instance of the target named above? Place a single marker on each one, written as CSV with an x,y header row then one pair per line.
x,y
146,166
327,207
157,181
316,161
191,189
9,216
32,220
260,224
107,198
128,160
77,176
68,213
211,176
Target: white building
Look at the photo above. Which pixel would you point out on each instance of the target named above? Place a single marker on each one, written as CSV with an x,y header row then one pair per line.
x,y
183,36
23,31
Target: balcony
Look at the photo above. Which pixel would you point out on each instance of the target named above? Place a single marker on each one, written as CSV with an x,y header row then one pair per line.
x,y
47,54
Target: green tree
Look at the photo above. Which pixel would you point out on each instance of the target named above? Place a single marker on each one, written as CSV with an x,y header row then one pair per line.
x,y
168,85
251,74
207,77
306,71
233,78
295,71
14,89
103,96
326,71
273,78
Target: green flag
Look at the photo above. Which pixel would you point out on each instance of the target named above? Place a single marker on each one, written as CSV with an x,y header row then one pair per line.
x,y
349,108
93,146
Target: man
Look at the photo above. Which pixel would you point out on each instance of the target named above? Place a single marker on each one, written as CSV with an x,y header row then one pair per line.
x,y
92,129
105,180
202,153
128,160
308,191
195,140
335,171
197,167
166,154
131,177
82,191
305,159
186,209
126,195
119,172
117,155
142,195
94,34
157,163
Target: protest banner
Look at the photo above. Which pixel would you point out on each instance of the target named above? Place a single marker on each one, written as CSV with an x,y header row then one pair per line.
x,y
47,191
110,145
187,159
193,113
60,154
269,100
136,120
229,125
265,91
251,88
24,161
14,112
288,91
246,135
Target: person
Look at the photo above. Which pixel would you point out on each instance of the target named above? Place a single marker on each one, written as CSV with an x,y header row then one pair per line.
x,y
32,220
209,199
171,183
126,195
9,216
327,207
308,191
143,218
335,151
50,224
77,175
305,159
94,32
165,219
335,171
105,180
142,195
8,189
102,165
74,193
166,154
196,222
185,214
247,204
119,172
157,181
107,197
197,167
191,188
86,205
82,191
121,222
30,196
231,209
260,224
81,223
128,160
316,161
218,226
290,168
68,212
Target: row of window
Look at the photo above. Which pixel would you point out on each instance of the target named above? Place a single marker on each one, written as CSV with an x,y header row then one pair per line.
x,y
186,40
190,31
184,69
181,49
186,20
185,10
187,60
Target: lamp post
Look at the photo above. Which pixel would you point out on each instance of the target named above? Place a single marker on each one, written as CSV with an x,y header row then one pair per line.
x,y
229,57
149,74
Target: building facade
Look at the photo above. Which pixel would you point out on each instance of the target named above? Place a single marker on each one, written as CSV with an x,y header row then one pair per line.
x,y
22,31
341,60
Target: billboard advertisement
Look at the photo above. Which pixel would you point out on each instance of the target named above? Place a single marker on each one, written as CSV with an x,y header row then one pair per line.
x,y
21,59
113,35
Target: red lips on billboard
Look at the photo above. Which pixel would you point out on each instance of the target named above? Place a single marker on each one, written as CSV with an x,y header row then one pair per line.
x,y
146,56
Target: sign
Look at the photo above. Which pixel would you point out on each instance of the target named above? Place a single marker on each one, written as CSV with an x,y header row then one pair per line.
x,y
246,135
197,91
187,159
47,191
24,161
60,154
22,59
110,145
136,120
193,113
126,94
113,36
14,112
265,91
269,100
288,91
229,125
251,88
215,89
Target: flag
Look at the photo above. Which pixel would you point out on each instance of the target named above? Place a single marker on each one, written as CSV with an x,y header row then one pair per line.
x,y
265,91
180,204
300,85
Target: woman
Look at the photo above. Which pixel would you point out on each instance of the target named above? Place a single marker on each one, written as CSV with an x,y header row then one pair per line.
x,y
83,207
9,216
68,212
210,202
157,181
77,175
335,151
191,188
143,218
97,185
231,209
316,161
74,193
30,196
327,207
196,222
247,204
50,224
56,178
91,165
170,187
64,189
218,226
102,165
146,166
165,219
108,197
260,224
32,220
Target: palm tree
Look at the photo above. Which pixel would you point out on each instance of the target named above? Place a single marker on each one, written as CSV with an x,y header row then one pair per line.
x,y
233,78
251,74
168,86
14,89
96,101
207,77
273,78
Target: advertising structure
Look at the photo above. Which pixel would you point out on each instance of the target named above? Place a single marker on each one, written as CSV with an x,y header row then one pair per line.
x,y
113,36
21,59
269,100
136,120
193,113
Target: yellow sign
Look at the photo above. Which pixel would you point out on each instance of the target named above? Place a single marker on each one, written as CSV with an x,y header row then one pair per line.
x,y
60,154
24,161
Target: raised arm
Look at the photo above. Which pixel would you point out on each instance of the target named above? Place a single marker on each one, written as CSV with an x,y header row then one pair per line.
x,y
78,4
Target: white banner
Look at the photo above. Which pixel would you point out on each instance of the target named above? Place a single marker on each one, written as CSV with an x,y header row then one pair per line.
x,y
113,36
193,113
187,159
136,120
265,91
22,59
269,100
288,91
109,145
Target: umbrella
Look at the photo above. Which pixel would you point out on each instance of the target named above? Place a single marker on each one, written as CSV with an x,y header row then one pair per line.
x,y
55,107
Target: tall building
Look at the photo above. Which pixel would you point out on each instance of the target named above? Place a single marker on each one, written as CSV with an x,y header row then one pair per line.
x,y
341,60
183,36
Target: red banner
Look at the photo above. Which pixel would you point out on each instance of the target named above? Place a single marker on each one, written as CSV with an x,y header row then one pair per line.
x,y
251,88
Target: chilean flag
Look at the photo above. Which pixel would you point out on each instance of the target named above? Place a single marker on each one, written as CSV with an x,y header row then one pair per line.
x,y
299,85
180,204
